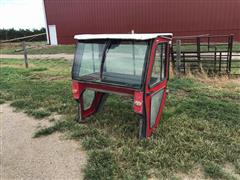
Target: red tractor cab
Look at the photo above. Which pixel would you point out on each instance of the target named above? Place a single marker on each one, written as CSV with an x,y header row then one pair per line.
x,y
134,65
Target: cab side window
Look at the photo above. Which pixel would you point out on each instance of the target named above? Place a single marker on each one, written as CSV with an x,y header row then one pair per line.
x,y
159,65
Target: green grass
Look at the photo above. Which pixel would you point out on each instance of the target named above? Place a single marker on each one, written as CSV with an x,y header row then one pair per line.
x,y
2,101
215,171
36,48
199,127
37,90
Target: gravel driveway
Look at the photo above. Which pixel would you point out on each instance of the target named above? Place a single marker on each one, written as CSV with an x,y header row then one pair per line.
x,y
24,157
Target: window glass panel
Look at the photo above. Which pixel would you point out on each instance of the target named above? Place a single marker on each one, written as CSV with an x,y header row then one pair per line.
x,y
159,70
88,97
124,62
156,101
88,58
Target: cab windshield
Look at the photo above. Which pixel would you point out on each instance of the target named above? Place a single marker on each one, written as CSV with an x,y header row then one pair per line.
x,y
117,62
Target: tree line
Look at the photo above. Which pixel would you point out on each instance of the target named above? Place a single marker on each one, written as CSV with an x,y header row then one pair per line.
x,y
6,34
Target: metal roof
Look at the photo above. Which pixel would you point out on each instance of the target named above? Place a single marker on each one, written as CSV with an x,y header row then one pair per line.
x,y
122,36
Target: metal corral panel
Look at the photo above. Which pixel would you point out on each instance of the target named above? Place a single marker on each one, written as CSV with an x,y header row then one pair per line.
x,y
181,17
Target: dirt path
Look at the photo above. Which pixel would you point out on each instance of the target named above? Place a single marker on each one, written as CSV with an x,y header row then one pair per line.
x,y
39,56
236,56
24,157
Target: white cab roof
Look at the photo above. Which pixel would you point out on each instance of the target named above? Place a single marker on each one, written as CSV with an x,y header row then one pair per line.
x,y
122,36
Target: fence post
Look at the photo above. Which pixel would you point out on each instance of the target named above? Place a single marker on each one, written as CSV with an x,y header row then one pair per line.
x,y
178,58
230,45
215,58
184,64
208,43
173,59
25,54
220,62
198,51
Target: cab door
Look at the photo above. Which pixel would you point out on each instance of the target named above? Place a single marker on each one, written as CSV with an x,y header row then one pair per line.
x,y
156,83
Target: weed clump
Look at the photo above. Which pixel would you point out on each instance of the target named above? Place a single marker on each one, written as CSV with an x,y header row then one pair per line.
x,y
59,126
2,101
38,113
103,166
215,171
39,69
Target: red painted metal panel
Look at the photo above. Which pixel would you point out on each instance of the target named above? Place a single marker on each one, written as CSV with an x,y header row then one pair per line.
x,y
138,102
185,17
151,90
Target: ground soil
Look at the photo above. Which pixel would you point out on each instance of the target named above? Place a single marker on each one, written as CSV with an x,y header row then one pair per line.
x,y
25,157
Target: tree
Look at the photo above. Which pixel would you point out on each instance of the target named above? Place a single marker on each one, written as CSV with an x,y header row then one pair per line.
x,y
6,34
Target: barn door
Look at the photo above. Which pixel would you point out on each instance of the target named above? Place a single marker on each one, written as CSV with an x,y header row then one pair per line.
x,y
53,34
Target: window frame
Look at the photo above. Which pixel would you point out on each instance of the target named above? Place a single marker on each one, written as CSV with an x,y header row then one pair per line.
x,y
107,45
165,66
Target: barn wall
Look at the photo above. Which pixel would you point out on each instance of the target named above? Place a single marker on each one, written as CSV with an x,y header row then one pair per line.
x,y
182,17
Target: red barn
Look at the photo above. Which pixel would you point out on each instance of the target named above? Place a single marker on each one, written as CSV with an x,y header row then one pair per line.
x,y
65,18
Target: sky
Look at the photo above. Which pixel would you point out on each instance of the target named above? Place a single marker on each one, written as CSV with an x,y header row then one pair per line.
x,y
25,14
